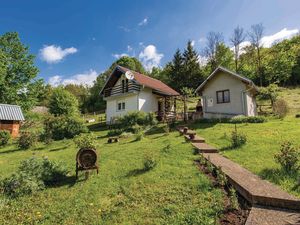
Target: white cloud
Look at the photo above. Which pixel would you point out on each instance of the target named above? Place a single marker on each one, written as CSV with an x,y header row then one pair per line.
x,y
54,54
150,57
129,48
86,78
125,29
117,56
202,60
193,43
143,22
268,41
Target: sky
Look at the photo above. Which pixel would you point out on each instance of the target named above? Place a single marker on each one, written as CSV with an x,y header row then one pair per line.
x,y
76,40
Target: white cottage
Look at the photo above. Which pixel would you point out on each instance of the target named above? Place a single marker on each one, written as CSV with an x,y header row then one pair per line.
x,y
126,90
227,94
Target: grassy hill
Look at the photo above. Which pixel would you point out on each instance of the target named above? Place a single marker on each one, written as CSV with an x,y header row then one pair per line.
x,y
174,192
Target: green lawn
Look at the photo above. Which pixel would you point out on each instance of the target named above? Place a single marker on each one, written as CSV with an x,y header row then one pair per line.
x,y
263,141
174,192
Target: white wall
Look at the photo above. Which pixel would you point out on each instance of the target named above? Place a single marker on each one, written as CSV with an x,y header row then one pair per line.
x,y
131,104
148,102
224,81
251,105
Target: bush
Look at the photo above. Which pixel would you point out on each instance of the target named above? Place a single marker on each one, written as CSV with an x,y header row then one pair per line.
x,y
288,157
43,169
139,136
58,128
221,177
4,137
237,139
85,141
281,108
234,203
149,162
248,119
27,140
33,175
19,184
132,119
166,129
114,132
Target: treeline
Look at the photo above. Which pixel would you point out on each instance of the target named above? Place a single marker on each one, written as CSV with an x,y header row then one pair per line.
x,y
278,64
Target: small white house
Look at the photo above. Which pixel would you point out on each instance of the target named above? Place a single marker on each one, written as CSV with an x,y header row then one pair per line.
x,y
126,91
227,94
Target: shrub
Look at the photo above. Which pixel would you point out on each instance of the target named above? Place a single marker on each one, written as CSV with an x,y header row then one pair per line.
x,y
209,166
125,134
58,128
128,121
166,129
85,141
4,137
136,129
149,162
27,140
114,132
288,157
139,136
234,203
221,177
33,175
237,139
248,119
19,184
281,108
43,170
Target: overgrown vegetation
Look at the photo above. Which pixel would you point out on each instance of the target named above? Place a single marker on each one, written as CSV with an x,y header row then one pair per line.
x,y
4,137
27,140
85,141
237,139
288,157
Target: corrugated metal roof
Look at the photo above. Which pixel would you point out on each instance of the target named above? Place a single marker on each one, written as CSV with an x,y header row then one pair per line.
x,y
11,112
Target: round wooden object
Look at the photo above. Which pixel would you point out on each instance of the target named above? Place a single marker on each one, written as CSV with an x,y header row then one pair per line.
x,y
86,158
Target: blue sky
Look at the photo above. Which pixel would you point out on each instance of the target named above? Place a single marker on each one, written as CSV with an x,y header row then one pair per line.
x,y
76,40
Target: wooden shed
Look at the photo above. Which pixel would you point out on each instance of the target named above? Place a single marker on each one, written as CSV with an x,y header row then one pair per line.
x,y
10,118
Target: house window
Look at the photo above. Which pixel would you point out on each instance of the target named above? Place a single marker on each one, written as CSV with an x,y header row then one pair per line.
x,y
121,106
223,96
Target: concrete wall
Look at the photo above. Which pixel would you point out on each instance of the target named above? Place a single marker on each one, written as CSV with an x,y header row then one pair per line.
x,y
250,105
148,102
238,101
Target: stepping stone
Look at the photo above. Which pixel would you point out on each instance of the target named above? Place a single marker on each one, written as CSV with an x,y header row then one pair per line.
x,y
204,148
196,139
272,216
251,186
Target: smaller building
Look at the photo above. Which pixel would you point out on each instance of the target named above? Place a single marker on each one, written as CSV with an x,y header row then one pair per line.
x,y
10,118
226,94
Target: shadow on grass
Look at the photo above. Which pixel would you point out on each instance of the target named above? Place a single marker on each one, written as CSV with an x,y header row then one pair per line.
x,y
10,151
97,127
278,175
69,181
155,130
57,149
136,172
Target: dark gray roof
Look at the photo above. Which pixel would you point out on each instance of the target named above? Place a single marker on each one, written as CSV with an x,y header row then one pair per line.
x,y
11,112
220,68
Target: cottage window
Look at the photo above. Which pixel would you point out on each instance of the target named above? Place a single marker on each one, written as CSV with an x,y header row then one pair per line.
x,y
223,96
121,106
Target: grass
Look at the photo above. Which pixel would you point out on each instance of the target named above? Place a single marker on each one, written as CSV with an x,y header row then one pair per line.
x,y
263,141
174,192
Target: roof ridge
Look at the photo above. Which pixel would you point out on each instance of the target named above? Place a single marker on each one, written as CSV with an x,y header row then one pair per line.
x,y
142,74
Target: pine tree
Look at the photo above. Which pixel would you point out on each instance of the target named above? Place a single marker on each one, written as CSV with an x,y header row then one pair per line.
x,y
176,73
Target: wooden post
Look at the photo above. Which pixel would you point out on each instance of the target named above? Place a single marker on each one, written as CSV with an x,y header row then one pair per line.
x,y
184,109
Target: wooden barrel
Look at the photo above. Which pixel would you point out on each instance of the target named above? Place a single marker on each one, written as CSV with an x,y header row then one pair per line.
x,y
86,158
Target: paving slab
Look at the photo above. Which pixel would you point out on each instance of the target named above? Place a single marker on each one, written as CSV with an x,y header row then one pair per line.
x,y
205,148
196,139
251,186
272,216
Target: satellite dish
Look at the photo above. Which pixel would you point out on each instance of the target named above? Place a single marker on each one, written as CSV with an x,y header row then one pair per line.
x,y
129,75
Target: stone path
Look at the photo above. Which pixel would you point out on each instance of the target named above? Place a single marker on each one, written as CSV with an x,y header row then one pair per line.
x,y
271,205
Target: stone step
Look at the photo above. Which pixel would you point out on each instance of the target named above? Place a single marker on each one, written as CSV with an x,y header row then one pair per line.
x,y
251,186
205,148
196,139
272,216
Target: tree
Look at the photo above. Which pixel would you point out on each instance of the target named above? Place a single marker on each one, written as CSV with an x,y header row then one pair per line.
x,y
81,92
214,39
63,103
255,35
176,70
237,38
224,56
17,72
191,68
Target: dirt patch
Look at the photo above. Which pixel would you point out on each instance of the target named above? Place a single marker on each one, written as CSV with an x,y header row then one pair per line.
x,y
229,215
